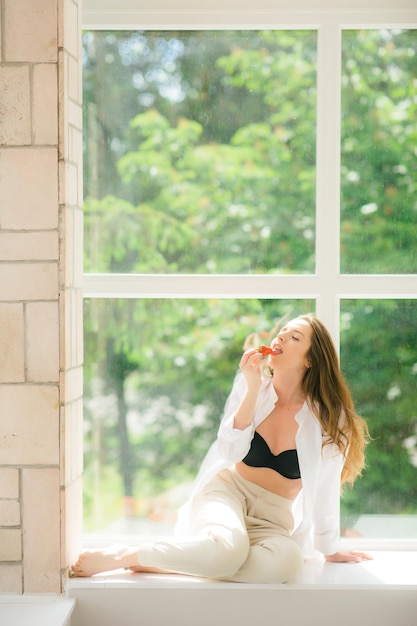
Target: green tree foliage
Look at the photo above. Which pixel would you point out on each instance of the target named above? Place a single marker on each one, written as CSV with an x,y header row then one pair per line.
x,y
200,159
380,362
379,160
204,200
165,368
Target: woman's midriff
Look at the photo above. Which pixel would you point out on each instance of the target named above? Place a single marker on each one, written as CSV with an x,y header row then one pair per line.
x,y
270,479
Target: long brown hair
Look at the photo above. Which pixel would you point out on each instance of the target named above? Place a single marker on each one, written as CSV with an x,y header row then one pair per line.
x,y
329,398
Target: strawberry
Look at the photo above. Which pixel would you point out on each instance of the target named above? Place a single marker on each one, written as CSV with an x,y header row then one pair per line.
x,y
265,350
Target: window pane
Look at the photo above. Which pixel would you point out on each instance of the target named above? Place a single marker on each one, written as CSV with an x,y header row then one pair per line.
x,y
379,138
157,374
199,151
379,359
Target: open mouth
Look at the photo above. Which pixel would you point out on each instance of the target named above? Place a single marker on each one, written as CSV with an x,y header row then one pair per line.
x,y
266,350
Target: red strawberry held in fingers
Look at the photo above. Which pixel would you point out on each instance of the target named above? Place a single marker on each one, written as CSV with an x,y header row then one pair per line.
x,y
265,350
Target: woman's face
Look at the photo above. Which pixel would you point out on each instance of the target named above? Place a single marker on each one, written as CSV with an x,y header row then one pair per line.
x,y
292,345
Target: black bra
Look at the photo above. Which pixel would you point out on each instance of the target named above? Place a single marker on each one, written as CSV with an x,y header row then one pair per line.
x,y
259,455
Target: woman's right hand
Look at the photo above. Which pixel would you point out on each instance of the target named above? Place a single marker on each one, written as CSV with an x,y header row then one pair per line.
x,y
251,370
250,366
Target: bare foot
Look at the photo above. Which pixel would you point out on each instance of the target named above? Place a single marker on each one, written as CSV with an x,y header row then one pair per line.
x,y
95,561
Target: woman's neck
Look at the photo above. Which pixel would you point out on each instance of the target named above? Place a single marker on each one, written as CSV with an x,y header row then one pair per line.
x,y
288,389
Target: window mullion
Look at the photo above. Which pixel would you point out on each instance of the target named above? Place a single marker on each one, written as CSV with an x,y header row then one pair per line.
x,y
328,173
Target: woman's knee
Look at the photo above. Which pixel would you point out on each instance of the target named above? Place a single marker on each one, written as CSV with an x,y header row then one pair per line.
x,y
283,564
296,562
271,561
228,553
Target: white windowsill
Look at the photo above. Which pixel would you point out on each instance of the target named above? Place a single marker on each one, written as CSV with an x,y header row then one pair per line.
x,y
381,592
390,569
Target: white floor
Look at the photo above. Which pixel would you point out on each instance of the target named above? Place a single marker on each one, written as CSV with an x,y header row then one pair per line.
x,y
35,610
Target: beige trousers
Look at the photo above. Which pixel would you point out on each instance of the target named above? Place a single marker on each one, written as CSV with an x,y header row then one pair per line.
x,y
240,532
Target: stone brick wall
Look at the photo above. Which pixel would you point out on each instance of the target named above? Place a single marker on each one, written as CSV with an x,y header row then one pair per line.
x,y
40,292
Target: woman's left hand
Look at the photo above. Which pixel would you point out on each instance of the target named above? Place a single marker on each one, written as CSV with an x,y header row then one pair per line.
x,y
348,557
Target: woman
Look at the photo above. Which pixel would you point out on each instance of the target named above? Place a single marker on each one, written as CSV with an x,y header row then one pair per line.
x,y
267,495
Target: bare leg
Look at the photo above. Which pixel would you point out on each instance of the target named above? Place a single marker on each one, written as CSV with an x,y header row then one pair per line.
x,y
95,561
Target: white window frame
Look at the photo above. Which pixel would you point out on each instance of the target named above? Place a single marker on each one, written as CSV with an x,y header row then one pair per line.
x,y
327,285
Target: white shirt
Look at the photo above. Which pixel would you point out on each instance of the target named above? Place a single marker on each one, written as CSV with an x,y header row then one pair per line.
x,y
317,508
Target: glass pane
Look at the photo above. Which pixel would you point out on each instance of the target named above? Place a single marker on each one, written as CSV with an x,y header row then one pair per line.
x,y
379,138
157,374
379,359
199,151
